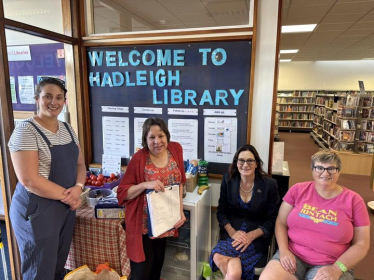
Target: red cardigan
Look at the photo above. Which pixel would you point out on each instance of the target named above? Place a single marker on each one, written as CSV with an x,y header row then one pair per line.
x,y
134,207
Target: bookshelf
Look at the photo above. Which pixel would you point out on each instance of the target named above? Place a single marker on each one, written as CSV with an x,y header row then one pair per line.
x,y
344,121
295,110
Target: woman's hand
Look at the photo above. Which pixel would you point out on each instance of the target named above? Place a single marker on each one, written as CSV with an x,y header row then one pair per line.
x,y
181,221
73,197
244,241
330,272
288,261
156,185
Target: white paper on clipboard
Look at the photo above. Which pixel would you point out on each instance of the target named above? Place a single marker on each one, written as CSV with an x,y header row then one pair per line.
x,y
163,209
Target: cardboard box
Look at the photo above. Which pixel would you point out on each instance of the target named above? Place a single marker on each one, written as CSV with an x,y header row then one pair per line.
x,y
191,182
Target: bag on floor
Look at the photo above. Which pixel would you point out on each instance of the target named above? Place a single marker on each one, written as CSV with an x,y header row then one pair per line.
x,y
103,272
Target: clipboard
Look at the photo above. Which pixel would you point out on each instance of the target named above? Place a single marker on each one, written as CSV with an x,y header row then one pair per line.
x,y
163,210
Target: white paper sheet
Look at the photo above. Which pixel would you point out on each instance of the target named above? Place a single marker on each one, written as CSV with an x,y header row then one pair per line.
x,y
116,136
164,209
26,89
220,139
185,132
138,131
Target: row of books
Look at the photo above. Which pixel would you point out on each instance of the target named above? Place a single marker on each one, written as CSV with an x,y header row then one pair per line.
x,y
299,93
289,108
325,101
361,147
319,111
366,136
331,116
367,113
296,116
295,124
283,100
347,112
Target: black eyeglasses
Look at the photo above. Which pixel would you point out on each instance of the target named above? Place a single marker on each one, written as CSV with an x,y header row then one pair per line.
x,y
248,161
46,78
320,169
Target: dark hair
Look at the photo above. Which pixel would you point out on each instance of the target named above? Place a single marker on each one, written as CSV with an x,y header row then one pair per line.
x,y
233,169
49,81
152,122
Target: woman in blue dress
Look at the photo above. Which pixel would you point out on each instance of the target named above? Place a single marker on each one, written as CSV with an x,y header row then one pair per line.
x,y
247,210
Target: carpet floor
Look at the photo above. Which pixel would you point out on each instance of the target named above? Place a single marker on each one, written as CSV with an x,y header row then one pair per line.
x,y
299,148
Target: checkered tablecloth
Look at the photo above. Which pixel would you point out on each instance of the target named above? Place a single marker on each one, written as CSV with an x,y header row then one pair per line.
x,y
97,241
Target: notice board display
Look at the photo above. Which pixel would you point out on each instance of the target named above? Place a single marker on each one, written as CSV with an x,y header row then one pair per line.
x,y
24,70
207,83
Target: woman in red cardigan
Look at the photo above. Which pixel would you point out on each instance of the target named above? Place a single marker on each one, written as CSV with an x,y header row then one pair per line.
x,y
158,164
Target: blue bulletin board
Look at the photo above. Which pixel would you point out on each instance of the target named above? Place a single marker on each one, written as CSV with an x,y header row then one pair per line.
x,y
44,62
213,75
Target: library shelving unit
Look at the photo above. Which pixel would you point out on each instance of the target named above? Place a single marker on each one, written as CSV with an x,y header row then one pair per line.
x,y
295,109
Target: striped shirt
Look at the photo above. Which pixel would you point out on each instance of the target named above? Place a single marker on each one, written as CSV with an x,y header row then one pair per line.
x,y
26,138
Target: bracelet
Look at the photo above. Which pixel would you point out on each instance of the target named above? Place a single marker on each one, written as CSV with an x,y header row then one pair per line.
x,y
80,185
342,266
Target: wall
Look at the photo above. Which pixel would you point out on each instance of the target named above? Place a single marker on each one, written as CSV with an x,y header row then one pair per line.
x,y
327,75
267,19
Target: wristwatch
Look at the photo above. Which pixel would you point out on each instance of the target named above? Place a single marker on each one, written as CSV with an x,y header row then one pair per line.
x,y
81,185
342,266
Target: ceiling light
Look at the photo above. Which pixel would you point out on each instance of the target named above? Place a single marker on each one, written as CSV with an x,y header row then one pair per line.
x,y
298,28
285,60
289,51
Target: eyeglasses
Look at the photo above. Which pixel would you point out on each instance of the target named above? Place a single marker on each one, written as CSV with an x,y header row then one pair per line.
x,y
248,161
320,169
46,78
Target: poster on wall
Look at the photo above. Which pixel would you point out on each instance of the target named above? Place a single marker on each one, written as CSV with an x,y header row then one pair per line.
x,y
185,132
26,89
220,139
116,136
173,81
13,89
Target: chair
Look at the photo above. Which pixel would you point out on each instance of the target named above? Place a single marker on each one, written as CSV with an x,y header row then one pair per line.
x,y
260,266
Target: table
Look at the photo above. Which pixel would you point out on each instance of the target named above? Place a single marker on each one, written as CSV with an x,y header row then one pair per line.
x,y
97,241
283,179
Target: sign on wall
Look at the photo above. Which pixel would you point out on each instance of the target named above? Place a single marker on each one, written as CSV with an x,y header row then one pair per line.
x,y
176,81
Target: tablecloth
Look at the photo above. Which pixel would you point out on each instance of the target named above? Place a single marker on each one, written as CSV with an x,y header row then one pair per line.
x,y
97,241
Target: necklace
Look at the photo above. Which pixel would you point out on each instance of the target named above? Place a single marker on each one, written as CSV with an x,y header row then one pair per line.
x,y
244,191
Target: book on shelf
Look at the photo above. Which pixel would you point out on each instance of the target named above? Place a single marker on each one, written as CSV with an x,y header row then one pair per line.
x,y
371,113
348,124
365,113
348,136
352,100
362,135
366,101
369,148
370,136
342,146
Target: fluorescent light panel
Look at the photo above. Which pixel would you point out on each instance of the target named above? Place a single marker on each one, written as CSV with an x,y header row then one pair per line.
x,y
285,60
298,28
289,51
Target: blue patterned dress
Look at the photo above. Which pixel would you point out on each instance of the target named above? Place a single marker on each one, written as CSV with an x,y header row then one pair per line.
x,y
248,258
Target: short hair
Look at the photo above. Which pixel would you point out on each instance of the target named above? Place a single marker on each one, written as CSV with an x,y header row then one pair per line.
x,y
152,122
233,169
49,81
326,156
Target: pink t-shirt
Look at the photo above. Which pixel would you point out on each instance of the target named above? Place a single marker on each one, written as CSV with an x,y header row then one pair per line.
x,y
320,230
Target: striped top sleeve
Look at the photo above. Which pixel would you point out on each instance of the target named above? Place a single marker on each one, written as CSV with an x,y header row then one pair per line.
x,y
26,138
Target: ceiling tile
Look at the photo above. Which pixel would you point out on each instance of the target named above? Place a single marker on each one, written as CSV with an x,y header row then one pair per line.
x,y
359,32
354,7
368,17
296,20
197,18
332,26
309,10
363,25
341,18
312,2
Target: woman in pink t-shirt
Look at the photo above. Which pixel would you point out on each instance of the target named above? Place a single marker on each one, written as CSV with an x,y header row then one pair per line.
x,y
322,229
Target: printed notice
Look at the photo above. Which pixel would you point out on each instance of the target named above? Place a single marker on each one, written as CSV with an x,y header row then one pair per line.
x,y
220,138
116,136
13,89
138,131
185,132
111,164
26,89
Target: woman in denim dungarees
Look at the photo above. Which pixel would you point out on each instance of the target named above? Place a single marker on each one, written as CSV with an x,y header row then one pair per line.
x,y
51,171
